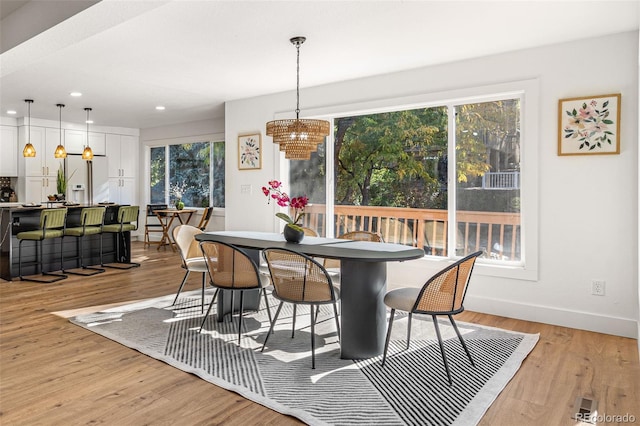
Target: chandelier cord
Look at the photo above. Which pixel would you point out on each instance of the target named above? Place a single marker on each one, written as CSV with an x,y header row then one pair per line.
x,y
60,115
298,81
29,108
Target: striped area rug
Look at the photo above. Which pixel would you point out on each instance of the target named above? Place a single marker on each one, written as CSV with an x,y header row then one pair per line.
x,y
411,389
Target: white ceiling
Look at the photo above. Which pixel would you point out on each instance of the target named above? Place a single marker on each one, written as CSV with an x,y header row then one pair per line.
x,y
126,57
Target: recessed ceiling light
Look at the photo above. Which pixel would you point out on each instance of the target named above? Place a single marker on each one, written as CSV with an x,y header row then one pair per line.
x,y
75,94
89,121
11,112
160,108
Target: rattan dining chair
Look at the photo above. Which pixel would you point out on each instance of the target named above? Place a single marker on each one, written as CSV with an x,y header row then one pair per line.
x,y
301,280
192,258
232,269
442,294
362,236
333,266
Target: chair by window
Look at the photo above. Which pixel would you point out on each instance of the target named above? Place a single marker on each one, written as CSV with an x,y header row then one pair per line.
x,y
192,258
442,294
91,221
301,280
151,223
333,266
206,217
52,225
127,221
362,236
231,269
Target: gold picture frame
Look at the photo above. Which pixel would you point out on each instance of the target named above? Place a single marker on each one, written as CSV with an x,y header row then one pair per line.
x,y
589,125
250,151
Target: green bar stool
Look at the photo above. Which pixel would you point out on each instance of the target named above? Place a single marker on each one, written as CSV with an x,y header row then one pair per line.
x,y
91,219
127,215
52,225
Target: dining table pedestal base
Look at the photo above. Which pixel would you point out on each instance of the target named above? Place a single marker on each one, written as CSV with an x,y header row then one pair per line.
x,y
362,288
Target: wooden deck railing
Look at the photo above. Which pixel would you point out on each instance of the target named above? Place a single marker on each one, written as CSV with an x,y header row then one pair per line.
x,y
496,233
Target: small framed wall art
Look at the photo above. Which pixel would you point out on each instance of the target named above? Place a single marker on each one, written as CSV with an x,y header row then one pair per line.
x,y
249,151
589,125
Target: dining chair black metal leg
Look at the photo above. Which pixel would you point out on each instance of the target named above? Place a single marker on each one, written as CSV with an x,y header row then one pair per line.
x,y
335,313
273,323
266,303
208,310
313,335
231,309
204,275
444,355
464,345
386,342
184,280
293,327
409,330
240,318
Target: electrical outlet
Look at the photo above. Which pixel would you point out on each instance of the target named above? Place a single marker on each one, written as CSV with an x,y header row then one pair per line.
x,y
597,287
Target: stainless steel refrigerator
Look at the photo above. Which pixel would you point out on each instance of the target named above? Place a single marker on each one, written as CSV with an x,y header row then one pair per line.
x,y
87,181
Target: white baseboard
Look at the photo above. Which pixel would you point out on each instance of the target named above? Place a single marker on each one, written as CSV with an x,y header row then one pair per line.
x,y
625,327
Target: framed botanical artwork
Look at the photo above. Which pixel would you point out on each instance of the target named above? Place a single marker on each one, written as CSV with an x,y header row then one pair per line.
x,y
249,152
589,125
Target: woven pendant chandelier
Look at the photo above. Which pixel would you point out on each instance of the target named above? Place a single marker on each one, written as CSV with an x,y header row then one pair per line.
x,y
298,138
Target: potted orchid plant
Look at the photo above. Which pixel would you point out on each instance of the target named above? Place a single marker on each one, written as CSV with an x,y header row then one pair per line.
x,y
292,230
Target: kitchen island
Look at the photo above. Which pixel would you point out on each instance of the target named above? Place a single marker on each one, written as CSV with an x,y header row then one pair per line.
x,y
16,218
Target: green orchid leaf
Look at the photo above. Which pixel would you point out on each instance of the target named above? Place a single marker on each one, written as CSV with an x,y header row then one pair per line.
x,y
284,217
296,227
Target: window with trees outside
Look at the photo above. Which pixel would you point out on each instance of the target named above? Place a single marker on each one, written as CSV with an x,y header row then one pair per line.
x,y
444,178
190,172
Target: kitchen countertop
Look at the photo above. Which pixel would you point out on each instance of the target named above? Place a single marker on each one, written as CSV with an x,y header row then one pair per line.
x,y
20,206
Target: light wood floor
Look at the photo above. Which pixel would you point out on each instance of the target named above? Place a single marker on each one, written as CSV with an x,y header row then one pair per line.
x,y
55,373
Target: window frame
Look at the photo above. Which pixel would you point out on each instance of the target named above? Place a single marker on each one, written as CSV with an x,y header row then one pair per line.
x,y
528,93
210,138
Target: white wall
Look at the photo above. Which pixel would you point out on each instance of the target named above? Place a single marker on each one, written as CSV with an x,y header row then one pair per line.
x,y
588,205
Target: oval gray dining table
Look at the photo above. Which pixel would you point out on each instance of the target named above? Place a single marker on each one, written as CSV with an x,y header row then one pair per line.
x,y
363,282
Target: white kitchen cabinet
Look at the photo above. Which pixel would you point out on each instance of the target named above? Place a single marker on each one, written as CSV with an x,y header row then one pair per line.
x,y
9,148
45,141
122,152
75,141
38,187
122,190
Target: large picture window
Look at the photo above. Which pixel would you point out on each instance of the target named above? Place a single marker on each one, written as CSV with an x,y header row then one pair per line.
x,y
191,172
445,178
